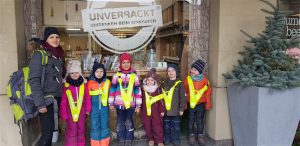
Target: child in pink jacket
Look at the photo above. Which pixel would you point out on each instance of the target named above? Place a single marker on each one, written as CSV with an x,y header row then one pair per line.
x,y
75,103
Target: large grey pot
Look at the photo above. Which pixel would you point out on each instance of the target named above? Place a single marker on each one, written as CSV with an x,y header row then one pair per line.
x,y
263,117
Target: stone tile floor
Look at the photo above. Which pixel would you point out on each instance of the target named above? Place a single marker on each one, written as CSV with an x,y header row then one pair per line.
x,y
144,142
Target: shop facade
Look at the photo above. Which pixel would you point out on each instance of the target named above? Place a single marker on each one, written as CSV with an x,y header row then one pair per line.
x,y
210,30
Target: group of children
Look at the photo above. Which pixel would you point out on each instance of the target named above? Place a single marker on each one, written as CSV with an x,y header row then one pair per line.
x,y
161,104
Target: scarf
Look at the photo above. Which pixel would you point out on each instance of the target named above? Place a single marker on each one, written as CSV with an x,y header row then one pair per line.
x,y
197,77
150,89
75,83
125,71
58,52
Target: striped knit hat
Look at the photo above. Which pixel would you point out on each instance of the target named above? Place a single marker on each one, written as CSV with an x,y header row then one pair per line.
x,y
199,65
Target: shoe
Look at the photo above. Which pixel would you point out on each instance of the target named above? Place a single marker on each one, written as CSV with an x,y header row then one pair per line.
x,y
128,143
201,140
167,142
160,144
151,143
191,139
121,143
177,143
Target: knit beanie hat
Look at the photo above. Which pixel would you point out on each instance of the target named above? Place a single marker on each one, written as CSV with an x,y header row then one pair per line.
x,y
97,66
152,74
199,65
125,56
48,31
73,66
174,67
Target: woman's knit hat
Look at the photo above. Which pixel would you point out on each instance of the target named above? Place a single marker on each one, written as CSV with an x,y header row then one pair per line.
x,y
199,65
48,31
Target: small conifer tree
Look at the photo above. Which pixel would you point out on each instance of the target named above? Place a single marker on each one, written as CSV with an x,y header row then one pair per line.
x,y
265,63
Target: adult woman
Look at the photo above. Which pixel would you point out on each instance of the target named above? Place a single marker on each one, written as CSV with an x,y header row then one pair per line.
x,y
46,81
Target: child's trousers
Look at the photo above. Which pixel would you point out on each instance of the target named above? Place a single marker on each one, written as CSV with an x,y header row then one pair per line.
x,y
172,129
75,132
125,127
196,115
99,125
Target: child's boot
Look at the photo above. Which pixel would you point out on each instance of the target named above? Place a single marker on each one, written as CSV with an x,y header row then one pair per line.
x,y
151,143
191,139
128,143
201,140
105,142
167,142
121,143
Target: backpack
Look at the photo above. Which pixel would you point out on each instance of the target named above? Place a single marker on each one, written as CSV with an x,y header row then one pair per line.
x,y
19,92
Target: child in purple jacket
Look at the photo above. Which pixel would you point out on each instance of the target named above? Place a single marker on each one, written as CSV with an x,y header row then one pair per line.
x,y
75,103
153,109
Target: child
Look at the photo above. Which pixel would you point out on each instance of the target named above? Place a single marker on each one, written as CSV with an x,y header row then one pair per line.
x,y
153,109
198,91
175,101
99,88
75,104
125,97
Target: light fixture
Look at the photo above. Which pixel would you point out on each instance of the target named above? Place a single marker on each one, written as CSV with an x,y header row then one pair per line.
x,y
73,29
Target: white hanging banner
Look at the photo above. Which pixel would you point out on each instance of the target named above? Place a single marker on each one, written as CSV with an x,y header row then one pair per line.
x,y
112,18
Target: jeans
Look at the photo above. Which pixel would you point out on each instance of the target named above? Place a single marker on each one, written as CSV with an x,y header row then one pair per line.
x,y
197,115
172,129
125,127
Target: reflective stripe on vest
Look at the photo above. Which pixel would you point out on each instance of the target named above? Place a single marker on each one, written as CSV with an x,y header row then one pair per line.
x,y
126,95
150,100
102,91
168,95
75,109
195,98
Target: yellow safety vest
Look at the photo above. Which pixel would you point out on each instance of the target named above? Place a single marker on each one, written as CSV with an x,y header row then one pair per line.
x,y
75,109
126,95
102,91
195,98
150,100
168,95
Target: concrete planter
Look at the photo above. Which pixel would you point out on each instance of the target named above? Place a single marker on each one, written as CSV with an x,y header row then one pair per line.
x,y
261,117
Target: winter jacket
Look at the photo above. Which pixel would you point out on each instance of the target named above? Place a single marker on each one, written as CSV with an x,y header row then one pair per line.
x,y
65,111
75,131
52,79
199,85
153,125
115,93
178,99
99,118
156,108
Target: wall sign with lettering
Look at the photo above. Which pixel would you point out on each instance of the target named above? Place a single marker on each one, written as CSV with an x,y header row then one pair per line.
x,y
292,26
98,20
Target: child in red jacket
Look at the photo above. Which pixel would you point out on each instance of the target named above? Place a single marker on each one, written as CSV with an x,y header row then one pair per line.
x,y
153,109
198,91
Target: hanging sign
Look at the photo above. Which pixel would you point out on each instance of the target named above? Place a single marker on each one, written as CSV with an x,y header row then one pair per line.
x,y
99,20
